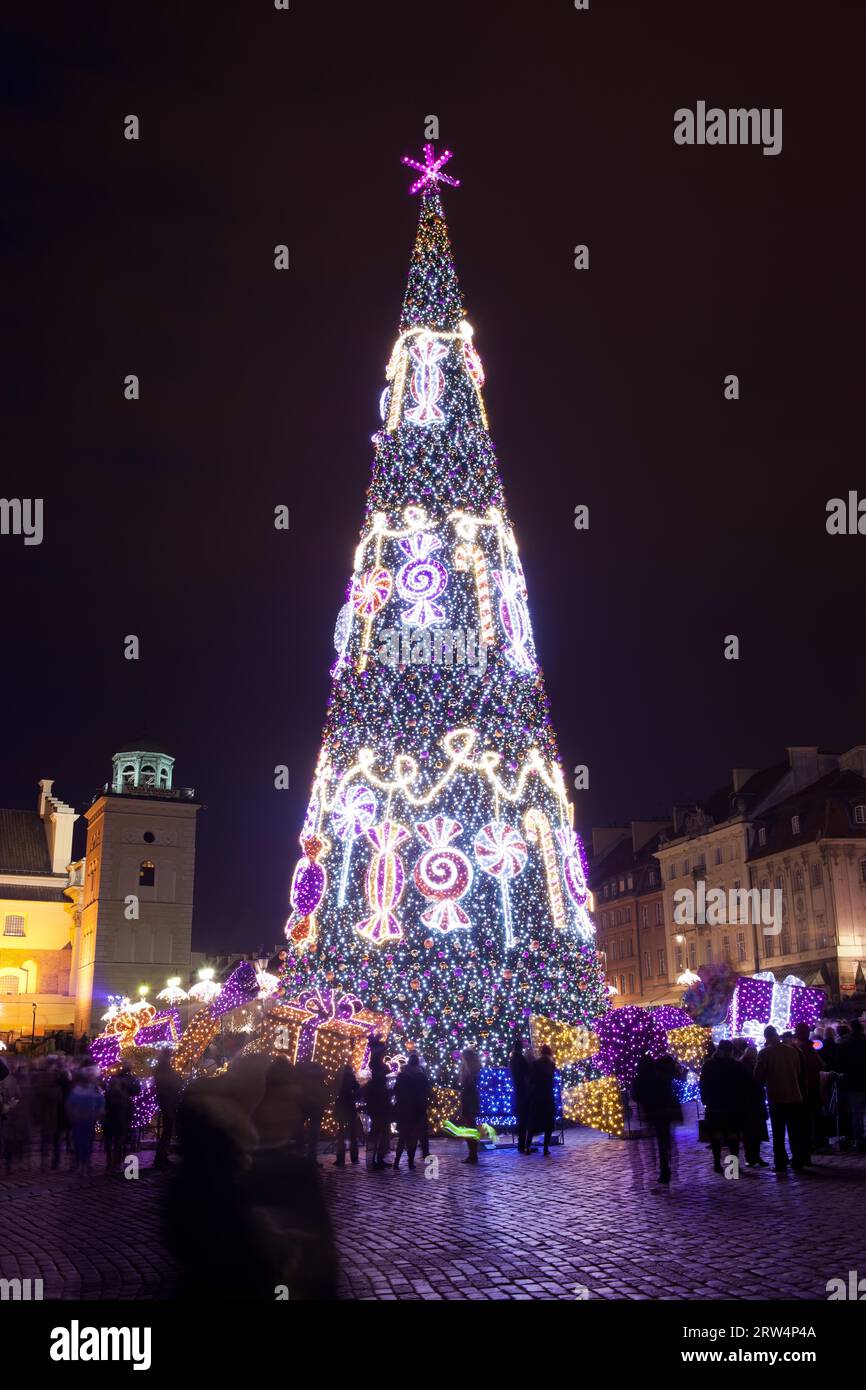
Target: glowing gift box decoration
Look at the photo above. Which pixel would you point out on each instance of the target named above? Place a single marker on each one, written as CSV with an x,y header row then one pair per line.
x,y
689,1045
321,1025
568,1042
596,1104
496,1094
241,987
444,1105
761,1000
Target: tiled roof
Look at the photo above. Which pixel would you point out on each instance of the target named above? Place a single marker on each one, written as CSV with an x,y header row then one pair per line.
x,y
23,848
825,809
24,892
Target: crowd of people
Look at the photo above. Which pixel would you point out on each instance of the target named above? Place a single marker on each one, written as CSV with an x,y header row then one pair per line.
x,y
815,1095
53,1111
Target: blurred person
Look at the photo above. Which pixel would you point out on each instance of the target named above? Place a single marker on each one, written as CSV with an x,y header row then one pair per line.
x,y
654,1091
314,1099
852,1065
542,1104
520,1067
10,1101
50,1095
814,1115
780,1068
279,1116
116,1122
724,1087
411,1098
348,1093
85,1106
377,1102
470,1100
754,1110
168,1085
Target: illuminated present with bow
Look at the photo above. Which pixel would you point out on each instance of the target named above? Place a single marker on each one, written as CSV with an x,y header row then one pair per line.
x,y
241,987
689,1044
321,1025
762,1000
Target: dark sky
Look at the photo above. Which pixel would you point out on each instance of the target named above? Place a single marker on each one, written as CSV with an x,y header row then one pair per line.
x,y
259,388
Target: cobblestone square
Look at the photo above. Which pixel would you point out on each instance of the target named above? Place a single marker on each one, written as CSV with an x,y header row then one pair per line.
x,y
589,1218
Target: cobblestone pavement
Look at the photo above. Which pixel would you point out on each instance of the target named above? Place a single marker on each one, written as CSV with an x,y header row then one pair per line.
x,y
515,1227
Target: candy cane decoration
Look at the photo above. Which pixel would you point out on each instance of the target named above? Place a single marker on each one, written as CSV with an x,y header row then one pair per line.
x,y
471,557
538,832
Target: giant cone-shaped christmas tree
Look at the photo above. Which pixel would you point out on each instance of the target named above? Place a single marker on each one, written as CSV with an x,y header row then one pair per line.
x,y
441,881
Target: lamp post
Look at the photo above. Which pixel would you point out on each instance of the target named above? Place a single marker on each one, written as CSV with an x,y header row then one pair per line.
x,y
33,1030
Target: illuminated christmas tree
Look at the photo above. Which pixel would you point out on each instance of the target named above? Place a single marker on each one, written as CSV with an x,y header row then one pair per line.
x,y
441,880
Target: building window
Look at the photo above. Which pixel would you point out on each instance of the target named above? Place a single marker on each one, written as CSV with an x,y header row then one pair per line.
x,y
672,870
146,873
769,946
644,913
726,947
860,814
693,955
630,881
13,926
628,914
622,984
128,775
648,964
148,776
658,914
607,890
762,835
631,984
817,876
661,959
653,876
8,984
863,870
795,825
798,880
741,946
679,958
622,885
686,866
717,857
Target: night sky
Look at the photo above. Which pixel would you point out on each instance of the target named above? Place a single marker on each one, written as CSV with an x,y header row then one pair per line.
x,y
707,517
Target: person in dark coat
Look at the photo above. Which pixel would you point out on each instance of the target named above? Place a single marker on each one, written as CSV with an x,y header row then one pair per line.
x,y
346,1114
754,1129
377,1101
542,1105
411,1098
470,1100
851,1055
168,1084
314,1099
654,1091
724,1087
520,1067
50,1108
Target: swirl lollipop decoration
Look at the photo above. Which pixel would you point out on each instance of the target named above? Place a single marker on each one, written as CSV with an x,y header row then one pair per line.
x,y
500,852
442,874
538,831
421,580
309,882
354,813
386,879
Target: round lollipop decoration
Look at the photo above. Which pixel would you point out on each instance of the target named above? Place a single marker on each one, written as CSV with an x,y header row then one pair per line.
x,y
500,852
442,874
354,813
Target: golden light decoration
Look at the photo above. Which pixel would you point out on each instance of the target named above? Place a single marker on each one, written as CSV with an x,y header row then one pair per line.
x,y
690,1044
596,1104
568,1042
444,1105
